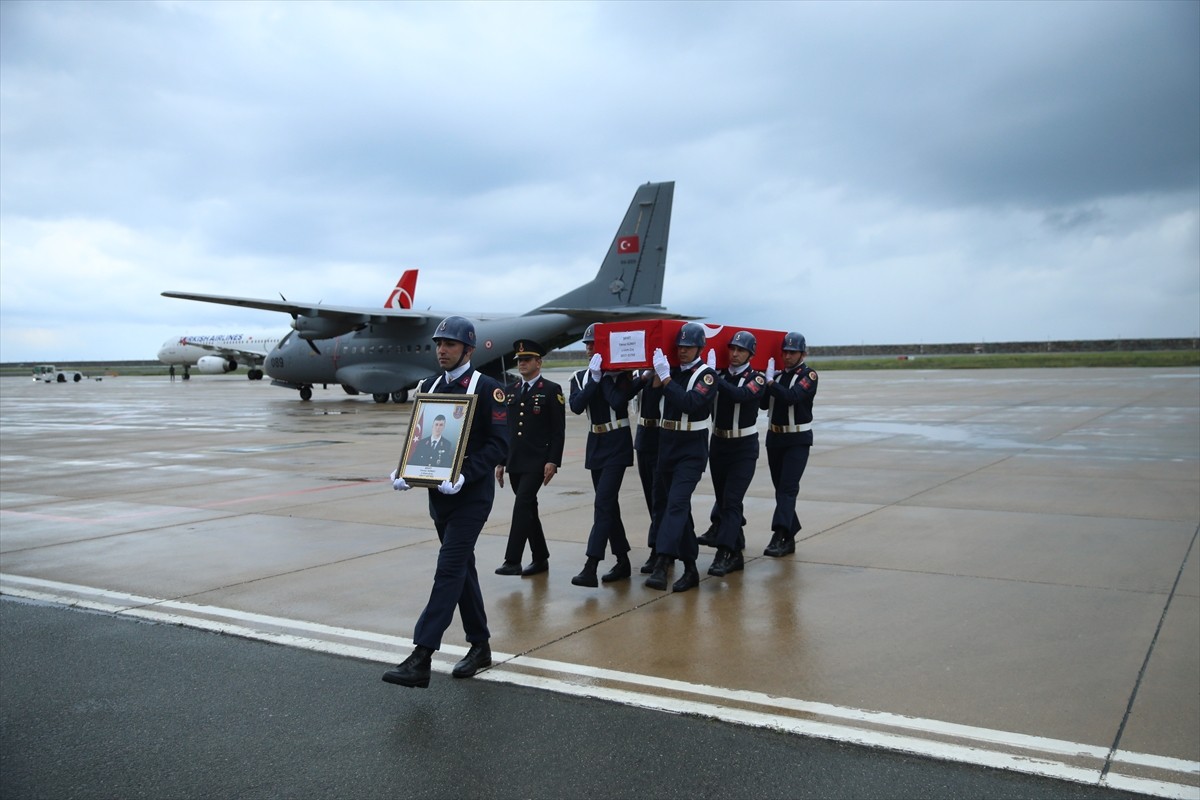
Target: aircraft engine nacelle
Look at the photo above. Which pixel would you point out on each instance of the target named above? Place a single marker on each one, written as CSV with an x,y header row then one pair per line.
x,y
216,365
323,327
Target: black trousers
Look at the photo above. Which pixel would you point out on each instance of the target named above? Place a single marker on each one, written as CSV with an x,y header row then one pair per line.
x,y
526,525
674,532
787,468
732,467
607,527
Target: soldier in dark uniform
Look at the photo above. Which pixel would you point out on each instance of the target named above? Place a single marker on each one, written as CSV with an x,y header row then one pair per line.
x,y
459,511
435,450
688,394
537,423
605,400
733,450
789,399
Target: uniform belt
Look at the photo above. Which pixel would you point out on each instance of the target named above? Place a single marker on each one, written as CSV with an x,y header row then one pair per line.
x,y
648,422
679,425
803,426
610,426
734,433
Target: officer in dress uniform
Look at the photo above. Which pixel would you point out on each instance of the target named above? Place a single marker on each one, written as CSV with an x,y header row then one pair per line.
x,y
459,511
435,450
688,394
789,399
537,423
733,450
609,452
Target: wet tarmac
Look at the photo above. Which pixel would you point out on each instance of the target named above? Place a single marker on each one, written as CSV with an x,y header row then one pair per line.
x,y
996,567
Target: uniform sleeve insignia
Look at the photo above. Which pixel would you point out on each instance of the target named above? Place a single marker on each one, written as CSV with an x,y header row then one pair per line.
x,y
708,378
498,395
812,375
562,400
759,380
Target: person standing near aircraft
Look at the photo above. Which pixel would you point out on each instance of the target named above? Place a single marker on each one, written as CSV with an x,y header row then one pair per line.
x,y
459,511
609,451
688,394
789,399
537,423
733,450
436,449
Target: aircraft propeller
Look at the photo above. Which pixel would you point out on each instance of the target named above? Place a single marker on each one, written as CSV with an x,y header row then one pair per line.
x,y
295,319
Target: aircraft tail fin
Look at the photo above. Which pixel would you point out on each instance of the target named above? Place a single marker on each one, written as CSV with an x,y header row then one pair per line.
x,y
631,275
406,289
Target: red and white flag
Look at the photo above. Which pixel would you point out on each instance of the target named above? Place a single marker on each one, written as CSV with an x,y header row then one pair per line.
x,y
627,245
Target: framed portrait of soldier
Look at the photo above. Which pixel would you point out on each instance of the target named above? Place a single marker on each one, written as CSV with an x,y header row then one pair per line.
x,y
437,438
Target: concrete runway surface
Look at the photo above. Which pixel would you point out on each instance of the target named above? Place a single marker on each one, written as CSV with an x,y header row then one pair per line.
x,y
997,567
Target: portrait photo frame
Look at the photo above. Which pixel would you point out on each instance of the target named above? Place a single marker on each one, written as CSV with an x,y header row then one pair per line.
x,y
436,442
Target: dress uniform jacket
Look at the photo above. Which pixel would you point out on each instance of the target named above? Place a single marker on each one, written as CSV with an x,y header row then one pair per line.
x,y
460,517
790,400
606,402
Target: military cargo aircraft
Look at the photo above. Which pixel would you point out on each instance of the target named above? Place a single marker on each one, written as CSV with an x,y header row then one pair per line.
x,y
384,352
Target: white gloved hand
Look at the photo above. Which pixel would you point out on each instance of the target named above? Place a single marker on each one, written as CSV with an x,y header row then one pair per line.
x,y
594,366
769,373
400,485
711,360
661,367
446,487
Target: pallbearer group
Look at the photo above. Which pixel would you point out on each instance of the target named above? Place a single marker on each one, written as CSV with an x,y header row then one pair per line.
x,y
691,418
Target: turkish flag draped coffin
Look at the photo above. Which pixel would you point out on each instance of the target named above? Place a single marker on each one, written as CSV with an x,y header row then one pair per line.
x,y
630,345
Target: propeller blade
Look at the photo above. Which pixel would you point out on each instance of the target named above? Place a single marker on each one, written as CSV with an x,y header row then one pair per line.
x,y
313,345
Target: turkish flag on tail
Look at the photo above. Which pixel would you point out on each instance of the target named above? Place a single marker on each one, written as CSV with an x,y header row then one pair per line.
x,y
627,245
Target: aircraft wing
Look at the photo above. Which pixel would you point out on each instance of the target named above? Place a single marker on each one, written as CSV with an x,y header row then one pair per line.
x,y
350,314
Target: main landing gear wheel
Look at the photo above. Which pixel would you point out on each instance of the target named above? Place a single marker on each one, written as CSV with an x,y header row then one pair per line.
x,y
380,398
306,393
255,374
400,396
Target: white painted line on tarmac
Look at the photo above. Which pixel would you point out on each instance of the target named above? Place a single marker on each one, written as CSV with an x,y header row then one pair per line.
x,y
386,649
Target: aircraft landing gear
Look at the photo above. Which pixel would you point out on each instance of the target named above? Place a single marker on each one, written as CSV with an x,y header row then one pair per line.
x,y
400,396
306,393
254,374
380,398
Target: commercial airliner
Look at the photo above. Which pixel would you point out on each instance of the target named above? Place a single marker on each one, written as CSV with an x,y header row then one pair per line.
x,y
385,353
222,353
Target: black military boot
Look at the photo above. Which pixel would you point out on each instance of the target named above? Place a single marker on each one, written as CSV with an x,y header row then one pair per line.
x,y
658,577
782,544
412,671
587,576
620,571
648,567
773,547
690,578
478,656
720,563
709,537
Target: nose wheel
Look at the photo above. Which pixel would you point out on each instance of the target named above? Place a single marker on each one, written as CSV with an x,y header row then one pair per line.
x,y
306,393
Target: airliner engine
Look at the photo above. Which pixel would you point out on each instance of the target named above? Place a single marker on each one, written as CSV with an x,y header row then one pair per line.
x,y
215,365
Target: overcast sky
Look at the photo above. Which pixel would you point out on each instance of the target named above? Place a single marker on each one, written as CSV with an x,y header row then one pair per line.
x,y
863,173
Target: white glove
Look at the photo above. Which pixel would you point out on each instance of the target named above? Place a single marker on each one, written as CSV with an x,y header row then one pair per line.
x,y
594,366
712,359
400,485
661,368
446,487
769,373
